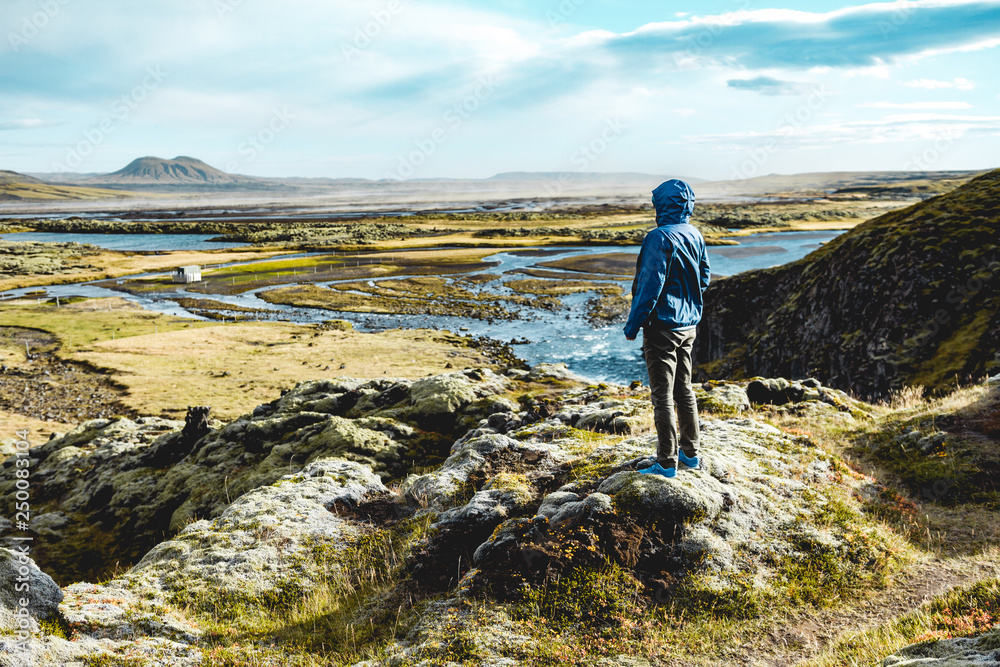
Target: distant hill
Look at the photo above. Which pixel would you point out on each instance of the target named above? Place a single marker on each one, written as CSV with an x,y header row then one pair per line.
x,y
871,183
181,170
155,175
10,177
910,297
625,177
15,187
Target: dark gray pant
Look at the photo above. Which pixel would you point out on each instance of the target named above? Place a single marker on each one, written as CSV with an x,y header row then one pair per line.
x,y
668,359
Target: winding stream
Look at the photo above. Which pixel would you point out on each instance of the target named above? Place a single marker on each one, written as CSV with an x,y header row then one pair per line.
x,y
601,354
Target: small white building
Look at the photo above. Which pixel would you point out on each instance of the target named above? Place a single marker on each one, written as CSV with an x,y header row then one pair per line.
x,y
188,274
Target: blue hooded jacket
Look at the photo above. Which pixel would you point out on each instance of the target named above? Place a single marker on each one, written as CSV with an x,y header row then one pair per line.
x,y
672,271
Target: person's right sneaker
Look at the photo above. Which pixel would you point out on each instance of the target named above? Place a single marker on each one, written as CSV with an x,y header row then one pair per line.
x,y
657,469
692,462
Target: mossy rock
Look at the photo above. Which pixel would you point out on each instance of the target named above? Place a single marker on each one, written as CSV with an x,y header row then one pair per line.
x,y
657,498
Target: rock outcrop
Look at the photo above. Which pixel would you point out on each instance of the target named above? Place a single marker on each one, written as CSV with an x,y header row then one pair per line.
x,y
982,651
537,497
796,397
270,543
27,594
910,297
109,490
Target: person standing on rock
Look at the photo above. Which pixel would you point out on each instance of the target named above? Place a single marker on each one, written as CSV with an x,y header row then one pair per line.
x,y
671,275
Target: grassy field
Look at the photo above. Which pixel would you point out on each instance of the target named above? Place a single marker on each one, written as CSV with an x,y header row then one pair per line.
x,y
78,325
165,364
235,367
38,429
46,192
111,264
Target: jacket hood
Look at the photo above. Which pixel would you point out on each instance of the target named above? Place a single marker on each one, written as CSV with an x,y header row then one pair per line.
x,y
674,202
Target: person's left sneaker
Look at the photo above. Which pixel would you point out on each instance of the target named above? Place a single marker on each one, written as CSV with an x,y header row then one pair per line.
x,y
692,462
657,469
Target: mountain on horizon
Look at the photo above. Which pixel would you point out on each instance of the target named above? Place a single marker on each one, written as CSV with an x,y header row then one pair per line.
x,y
11,177
182,170
624,177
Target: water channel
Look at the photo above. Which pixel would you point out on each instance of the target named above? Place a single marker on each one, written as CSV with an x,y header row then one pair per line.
x,y
601,353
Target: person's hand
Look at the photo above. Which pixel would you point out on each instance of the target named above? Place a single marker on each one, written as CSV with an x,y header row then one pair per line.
x,y
627,337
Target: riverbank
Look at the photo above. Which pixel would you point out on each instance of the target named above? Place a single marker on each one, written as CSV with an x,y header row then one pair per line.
x,y
27,265
559,304
108,357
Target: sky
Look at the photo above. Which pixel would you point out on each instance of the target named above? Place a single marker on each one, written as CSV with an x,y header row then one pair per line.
x,y
398,89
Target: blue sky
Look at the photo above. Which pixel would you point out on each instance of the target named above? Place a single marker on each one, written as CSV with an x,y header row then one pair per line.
x,y
718,89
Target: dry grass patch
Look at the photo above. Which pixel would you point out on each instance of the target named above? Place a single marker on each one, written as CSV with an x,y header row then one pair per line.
x,y
113,264
235,367
38,430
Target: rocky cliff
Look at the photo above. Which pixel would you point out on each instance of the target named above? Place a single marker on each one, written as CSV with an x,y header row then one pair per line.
x,y
909,298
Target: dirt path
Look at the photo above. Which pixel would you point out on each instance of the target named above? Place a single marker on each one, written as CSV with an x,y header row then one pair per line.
x,y
810,633
37,384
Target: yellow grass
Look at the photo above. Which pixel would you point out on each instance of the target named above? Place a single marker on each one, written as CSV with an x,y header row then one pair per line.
x,y
45,192
164,373
92,321
112,264
38,430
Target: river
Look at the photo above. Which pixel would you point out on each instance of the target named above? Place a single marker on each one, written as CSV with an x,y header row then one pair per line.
x,y
601,354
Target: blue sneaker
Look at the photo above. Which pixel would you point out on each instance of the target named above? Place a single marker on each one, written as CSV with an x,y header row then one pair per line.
x,y
657,469
693,462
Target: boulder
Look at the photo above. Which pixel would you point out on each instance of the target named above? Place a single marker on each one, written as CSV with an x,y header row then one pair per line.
x,y
110,625
554,373
722,398
476,458
22,581
269,543
618,417
982,651
688,499
769,391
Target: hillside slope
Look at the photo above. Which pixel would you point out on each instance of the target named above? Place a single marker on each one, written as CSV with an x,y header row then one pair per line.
x,y
909,298
10,177
179,171
19,187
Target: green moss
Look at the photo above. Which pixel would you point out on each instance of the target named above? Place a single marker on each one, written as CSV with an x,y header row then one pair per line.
x,y
233,606
837,513
109,660
592,467
514,483
592,596
953,354
56,625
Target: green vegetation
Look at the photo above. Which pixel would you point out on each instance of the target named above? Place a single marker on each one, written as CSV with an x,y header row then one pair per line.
x,y
921,283
45,192
727,217
237,366
599,596
939,454
965,612
417,296
361,604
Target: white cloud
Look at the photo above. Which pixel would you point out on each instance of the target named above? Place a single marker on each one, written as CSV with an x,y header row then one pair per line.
x,y
917,106
932,84
26,124
895,128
